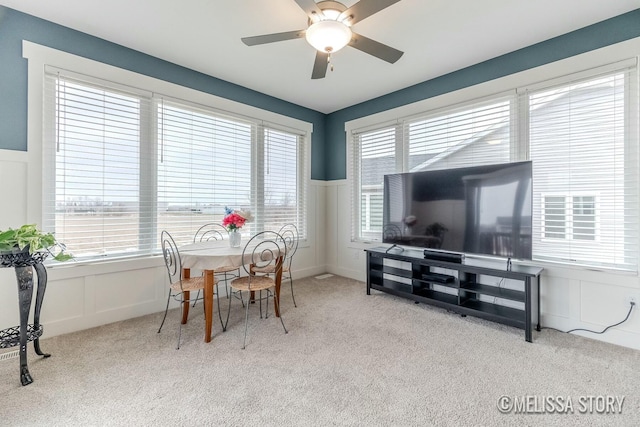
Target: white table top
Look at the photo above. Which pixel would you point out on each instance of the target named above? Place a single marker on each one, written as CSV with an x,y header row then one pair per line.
x,y
213,254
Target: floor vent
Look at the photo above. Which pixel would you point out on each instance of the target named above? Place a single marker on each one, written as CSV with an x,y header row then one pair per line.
x,y
9,355
324,276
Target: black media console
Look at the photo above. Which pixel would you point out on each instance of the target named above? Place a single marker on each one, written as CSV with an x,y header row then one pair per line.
x,y
472,287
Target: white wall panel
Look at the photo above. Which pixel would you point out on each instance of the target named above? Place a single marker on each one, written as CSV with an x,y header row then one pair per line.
x,y
333,212
13,213
9,314
13,176
64,301
554,294
118,290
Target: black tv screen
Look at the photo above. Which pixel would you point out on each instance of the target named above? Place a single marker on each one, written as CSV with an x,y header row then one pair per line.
x,y
482,210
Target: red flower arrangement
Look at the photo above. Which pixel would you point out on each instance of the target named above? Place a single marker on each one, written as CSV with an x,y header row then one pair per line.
x,y
234,220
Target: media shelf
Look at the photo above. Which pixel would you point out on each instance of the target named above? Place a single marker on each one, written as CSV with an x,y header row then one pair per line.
x,y
473,287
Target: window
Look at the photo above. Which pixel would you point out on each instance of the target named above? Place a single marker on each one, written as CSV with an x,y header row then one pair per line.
x,y
477,133
282,195
93,197
585,171
581,132
122,165
374,154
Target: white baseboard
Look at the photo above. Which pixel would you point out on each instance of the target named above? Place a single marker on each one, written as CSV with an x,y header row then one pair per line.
x,y
347,272
66,326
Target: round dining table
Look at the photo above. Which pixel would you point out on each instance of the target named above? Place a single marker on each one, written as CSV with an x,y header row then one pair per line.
x,y
209,255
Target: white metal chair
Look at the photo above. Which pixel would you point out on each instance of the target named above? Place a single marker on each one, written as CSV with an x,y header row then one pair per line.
x,y
289,233
290,237
265,250
180,287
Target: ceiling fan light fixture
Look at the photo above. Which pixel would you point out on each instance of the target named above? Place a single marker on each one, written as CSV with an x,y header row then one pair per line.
x,y
328,36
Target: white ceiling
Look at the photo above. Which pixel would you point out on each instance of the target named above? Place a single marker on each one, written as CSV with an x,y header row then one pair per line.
x,y
437,36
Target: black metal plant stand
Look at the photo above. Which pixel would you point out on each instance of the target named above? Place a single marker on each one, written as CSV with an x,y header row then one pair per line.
x,y
24,263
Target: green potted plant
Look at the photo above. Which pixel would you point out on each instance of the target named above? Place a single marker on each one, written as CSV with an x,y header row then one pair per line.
x,y
29,238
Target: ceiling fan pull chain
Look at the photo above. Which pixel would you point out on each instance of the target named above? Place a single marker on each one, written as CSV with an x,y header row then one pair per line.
x,y
329,61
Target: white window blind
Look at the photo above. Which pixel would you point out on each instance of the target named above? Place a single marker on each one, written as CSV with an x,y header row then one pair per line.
x,y
92,198
204,164
373,156
121,165
585,172
475,134
283,169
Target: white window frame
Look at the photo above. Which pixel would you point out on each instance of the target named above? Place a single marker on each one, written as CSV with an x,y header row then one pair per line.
x,y
39,57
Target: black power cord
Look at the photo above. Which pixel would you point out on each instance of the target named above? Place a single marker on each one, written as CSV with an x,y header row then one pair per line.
x,y
604,330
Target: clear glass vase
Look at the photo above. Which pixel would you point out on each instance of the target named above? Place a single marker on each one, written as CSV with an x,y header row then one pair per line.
x,y
235,239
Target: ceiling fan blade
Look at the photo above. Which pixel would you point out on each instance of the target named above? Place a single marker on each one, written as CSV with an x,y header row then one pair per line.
x,y
310,8
377,49
320,65
364,9
271,38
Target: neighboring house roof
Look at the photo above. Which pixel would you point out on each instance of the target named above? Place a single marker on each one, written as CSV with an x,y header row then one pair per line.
x,y
580,98
378,167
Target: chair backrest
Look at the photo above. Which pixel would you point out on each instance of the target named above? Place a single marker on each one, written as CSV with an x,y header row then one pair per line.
x,y
290,237
171,257
264,249
391,233
210,231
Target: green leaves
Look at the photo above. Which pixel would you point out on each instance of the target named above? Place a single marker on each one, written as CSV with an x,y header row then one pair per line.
x,y
29,235
61,256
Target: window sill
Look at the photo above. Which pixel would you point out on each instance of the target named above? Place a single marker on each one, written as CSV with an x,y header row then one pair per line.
x,y
73,269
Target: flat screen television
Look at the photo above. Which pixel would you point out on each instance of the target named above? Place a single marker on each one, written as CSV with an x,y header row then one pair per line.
x,y
484,210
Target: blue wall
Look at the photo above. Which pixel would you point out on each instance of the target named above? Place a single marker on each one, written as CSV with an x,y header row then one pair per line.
x,y
328,148
614,30
16,26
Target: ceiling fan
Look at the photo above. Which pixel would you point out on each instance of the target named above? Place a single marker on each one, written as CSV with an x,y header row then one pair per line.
x,y
329,30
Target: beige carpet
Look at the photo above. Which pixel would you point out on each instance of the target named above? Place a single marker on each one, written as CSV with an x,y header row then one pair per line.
x,y
349,359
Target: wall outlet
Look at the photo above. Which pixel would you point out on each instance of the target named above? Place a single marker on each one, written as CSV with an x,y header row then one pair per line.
x,y
632,298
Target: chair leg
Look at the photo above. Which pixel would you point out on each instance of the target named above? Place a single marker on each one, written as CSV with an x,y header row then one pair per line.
x,y
165,312
275,300
226,284
197,297
179,335
185,304
231,294
246,324
224,326
292,296
260,302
